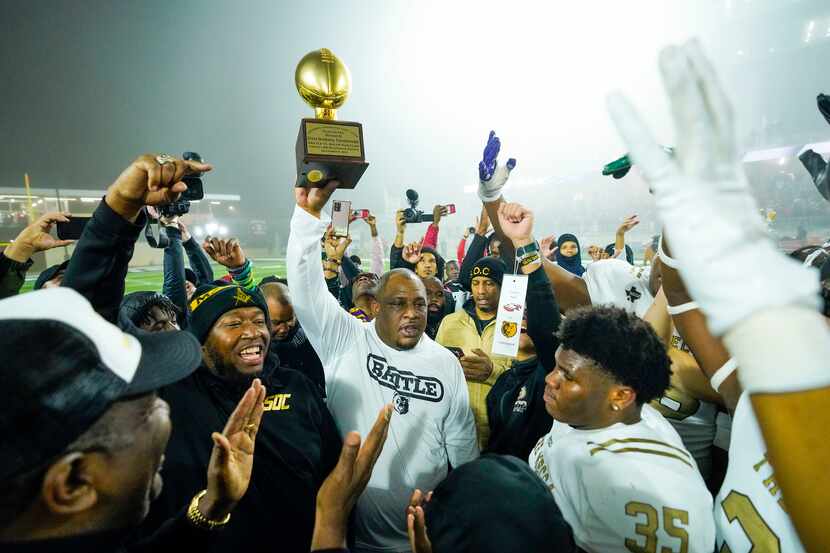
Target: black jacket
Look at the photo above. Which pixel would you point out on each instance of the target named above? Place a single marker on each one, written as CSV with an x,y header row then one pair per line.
x,y
296,448
515,407
296,352
99,263
175,535
12,276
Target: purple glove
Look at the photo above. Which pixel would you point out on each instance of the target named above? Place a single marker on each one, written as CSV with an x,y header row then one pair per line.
x,y
488,166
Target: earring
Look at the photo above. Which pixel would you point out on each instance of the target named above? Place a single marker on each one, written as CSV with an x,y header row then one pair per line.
x,y
615,407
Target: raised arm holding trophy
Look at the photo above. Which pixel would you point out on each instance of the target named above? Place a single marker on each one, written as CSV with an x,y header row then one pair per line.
x,y
327,149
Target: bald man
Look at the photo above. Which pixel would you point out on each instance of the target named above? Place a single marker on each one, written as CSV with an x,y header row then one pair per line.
x,y
288,340
388,360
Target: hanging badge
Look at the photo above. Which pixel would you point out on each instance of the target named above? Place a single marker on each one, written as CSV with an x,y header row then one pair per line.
x,y
509,318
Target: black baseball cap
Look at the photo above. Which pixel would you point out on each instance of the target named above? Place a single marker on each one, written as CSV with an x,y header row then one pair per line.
x,y
64,365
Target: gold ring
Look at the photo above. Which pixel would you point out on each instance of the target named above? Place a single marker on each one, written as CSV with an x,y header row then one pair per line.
x,y
163,159
249,428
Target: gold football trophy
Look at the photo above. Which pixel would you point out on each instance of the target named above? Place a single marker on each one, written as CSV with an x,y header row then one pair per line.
x,y
327,149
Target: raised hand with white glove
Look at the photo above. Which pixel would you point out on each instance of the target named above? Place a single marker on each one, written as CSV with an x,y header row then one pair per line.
x,y
762,302
703,197
492,176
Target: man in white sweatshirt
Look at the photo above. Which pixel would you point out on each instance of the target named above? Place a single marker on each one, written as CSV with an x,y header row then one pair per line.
x,y
368,365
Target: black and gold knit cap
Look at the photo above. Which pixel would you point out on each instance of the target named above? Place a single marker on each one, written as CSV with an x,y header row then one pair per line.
x,y
210,302
490,267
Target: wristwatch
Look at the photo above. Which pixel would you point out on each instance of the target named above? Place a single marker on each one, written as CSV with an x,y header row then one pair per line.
x,y
523,251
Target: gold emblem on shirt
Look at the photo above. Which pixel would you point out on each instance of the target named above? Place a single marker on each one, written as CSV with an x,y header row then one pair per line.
x,y
276,402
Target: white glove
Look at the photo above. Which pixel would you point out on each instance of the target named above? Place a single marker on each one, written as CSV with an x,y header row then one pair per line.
x,y
725,256
490,191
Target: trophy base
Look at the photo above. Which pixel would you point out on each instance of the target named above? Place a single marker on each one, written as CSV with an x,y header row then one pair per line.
x,y
329,150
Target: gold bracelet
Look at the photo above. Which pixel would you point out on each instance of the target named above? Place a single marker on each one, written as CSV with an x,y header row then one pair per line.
x,y
197,519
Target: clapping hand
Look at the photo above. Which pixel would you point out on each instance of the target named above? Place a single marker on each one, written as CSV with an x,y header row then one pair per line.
x,y
416,526
339,492
232,458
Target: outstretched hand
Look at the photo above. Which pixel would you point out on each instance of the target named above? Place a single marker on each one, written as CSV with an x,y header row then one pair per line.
x,y
340,491
227,253
412,253
232,458
702,196
628,224
548,247
36,238
313,200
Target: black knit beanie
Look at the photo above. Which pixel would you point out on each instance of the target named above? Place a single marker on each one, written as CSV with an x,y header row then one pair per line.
x,y
490,267
210,302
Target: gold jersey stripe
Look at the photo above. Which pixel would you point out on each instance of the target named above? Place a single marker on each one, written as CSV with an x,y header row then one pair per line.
x,y
639,440
641,450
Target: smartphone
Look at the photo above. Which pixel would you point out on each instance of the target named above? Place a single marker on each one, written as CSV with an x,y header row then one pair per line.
x,y
360,213
340,217
73,229
450,209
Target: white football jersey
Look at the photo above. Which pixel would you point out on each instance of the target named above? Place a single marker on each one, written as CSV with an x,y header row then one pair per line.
x,y
749,510
628,487
615,282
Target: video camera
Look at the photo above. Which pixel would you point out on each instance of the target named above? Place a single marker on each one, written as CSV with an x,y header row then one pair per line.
x,y
414,215
195,191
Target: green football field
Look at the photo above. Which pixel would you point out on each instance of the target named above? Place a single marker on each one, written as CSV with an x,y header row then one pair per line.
x,y
151,278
